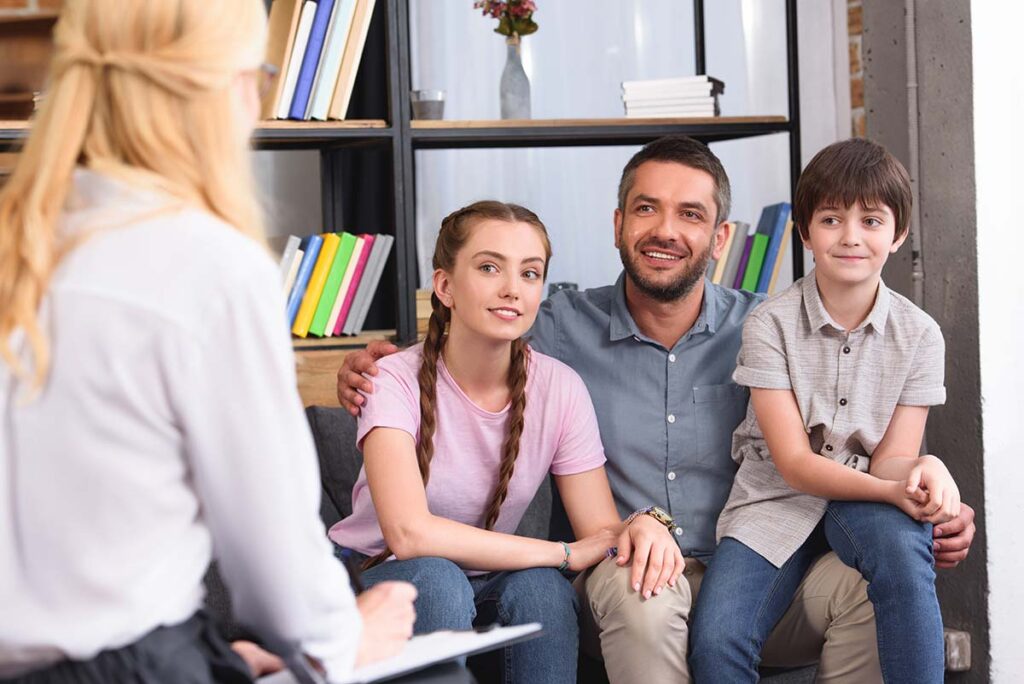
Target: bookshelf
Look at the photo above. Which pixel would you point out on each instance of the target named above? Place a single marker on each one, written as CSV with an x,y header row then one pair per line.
x,y
367,174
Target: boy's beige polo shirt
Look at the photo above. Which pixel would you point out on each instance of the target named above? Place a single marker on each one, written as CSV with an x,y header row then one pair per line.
x,y
847,385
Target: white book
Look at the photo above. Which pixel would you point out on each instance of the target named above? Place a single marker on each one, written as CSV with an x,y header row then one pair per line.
x,y
295,61
293,271
695,90
350,270
668,113
330,59
679,80
667,101
288,255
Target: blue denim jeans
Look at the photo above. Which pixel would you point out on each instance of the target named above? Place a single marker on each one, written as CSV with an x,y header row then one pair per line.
x,y
743,595
448,599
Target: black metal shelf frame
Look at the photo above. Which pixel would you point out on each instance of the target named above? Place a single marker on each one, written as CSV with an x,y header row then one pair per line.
x,y
400,141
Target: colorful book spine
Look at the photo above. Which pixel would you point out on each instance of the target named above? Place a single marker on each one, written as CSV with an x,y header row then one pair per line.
x,y
772,254
752,268
332,322
353,287
716,274
346,283
325,309
310,251
786,233
350,60
291,77
735,252
310,60
378,260
281,28
316,284
330,292
330,62
741,268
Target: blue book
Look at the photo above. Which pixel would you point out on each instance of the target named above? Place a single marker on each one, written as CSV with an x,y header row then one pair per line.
x,y
777,229
310,60
310,251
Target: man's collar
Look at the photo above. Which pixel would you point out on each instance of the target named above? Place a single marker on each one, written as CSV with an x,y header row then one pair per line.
x,y
623,325
819,316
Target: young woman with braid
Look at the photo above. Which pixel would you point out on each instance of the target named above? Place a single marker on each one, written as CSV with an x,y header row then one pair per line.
x,y
458,435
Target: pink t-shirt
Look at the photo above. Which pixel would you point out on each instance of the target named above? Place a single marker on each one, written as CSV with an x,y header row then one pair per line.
x,y
560,436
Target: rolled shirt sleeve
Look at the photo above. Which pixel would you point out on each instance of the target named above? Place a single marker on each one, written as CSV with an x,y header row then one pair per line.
x,y
762,361
925,383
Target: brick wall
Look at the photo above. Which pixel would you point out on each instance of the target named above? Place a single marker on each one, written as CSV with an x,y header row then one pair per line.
x,y
855,28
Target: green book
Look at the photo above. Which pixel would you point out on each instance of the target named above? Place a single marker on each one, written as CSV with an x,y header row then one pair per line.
x,y
333,284
753,272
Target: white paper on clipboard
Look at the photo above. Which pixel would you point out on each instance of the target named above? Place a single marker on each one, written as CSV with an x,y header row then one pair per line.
x,y
430,649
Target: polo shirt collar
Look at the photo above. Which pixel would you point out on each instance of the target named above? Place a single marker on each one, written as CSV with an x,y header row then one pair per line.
x,y
819,317
623,325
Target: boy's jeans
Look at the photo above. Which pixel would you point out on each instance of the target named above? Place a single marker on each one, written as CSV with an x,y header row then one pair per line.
x,y
743,595
448,599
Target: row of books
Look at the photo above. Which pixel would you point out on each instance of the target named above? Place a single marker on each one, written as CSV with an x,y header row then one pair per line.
x,y
753,255
317,45
673,97
330,280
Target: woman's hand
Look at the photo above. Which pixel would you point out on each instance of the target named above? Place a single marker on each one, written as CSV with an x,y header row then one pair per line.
x,y
657,560
590,550
388,617
259,660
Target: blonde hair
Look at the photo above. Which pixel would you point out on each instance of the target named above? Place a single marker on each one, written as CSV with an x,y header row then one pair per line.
x,y
140,90
455,232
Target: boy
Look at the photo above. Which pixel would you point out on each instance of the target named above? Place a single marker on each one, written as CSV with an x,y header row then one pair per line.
x,y
841,373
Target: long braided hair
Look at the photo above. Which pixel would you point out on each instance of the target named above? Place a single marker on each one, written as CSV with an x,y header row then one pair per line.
x,y
455,230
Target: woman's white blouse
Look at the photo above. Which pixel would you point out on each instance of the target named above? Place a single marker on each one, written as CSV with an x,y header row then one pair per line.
x,y
168,432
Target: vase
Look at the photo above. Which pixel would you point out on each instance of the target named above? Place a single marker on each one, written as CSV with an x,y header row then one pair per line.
x,y
515,86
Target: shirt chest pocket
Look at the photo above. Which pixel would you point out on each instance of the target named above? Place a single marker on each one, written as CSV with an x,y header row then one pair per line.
x,y
718,410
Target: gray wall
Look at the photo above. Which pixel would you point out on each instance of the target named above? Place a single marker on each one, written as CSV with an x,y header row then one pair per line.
x,y
947,202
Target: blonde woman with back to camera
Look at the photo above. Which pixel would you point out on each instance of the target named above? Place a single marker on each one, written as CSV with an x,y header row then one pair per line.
x,y
149,415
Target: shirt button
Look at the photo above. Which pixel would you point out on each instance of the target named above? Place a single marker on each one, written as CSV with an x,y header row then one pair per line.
x,y
671,476
672,358
846,350
842,402
679,533
828,447
671,418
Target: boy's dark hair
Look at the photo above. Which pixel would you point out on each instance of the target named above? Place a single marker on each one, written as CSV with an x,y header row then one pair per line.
x,y
681,150
850,172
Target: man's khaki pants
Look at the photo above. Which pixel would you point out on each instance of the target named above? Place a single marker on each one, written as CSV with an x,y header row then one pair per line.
x,y
830,622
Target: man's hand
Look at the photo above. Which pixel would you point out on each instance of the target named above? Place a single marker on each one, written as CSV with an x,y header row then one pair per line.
x,y
350,376
259,660
953,539
657,560
388,618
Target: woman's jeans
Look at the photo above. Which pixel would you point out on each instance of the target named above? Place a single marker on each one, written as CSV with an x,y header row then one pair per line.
x,y
743,595
448,599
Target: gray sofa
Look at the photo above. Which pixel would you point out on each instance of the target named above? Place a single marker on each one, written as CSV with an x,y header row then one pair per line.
x,y
334,432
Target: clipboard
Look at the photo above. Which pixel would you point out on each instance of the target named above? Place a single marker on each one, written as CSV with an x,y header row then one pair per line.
x,y
420,652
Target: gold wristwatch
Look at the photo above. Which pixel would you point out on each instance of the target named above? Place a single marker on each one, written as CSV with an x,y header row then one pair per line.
x,y
659,514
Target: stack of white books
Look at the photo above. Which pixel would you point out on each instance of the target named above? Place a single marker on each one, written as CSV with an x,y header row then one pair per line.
x,y
695,96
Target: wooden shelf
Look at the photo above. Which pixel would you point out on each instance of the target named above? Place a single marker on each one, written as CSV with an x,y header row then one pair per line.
x,y
269,134
302,344
578,132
